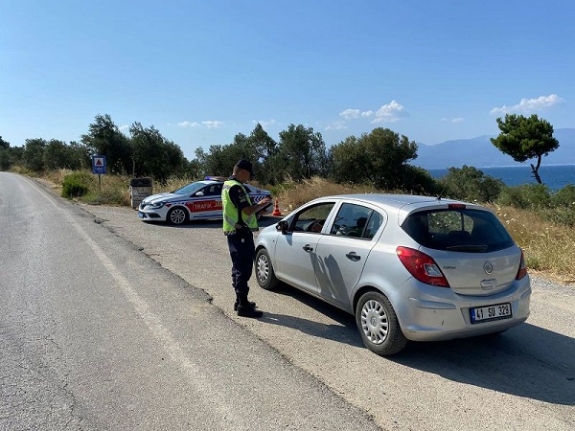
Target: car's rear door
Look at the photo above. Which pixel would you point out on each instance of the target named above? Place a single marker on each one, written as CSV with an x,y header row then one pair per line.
x,y
343,251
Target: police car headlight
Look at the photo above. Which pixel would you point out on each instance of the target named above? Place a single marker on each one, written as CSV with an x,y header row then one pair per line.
x,y
156,205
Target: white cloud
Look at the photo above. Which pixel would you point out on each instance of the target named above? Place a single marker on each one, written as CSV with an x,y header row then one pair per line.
x,y
265,123
124,128
188,124
351,114
390,113
453,120
213,124
338,125
529,105
207,124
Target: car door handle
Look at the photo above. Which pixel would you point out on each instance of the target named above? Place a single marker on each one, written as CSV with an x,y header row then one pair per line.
x,y
353,256
308,247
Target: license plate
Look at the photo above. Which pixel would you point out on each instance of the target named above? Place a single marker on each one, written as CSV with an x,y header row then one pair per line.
x,y
493,312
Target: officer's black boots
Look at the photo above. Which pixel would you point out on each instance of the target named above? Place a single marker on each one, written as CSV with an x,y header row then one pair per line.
x,y
253,304
246,308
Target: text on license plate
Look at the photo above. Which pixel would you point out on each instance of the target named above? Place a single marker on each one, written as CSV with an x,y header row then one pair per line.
x,y
493,312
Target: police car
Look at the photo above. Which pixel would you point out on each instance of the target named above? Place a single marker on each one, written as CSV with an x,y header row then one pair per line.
x,y
200,200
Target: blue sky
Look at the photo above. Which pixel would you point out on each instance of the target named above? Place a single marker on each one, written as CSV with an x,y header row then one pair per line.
x,y
203,71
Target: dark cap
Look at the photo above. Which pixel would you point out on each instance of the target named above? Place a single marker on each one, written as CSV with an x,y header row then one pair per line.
x,y
245,164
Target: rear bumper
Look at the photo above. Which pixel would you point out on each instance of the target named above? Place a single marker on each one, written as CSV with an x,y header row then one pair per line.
x,y
448,316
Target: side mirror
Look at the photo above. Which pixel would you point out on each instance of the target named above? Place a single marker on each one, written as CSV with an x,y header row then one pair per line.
x,y
282,226
200,193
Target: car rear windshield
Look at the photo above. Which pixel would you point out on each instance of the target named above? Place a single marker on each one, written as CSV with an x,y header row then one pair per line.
x,y
467,230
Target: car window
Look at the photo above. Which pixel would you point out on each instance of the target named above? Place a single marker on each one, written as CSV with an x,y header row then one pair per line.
x,y
373,224
312,218
213,190
463,230
190,188
356,221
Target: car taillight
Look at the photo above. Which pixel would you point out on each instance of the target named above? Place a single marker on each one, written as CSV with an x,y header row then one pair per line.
x,y
421,266
522,272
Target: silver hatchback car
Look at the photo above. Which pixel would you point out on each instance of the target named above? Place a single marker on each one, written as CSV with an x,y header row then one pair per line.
x,y
408,267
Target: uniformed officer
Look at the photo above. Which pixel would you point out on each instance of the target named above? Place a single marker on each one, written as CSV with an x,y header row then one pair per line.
x,y
240,222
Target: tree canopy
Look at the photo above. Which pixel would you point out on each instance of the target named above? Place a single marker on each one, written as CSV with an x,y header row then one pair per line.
x,y
105,138
525,138
153,155
379,158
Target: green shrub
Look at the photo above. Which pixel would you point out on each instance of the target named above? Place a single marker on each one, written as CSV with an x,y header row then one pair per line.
x,y
76,184
559,215
564,197
419,181
526,196
107,196
471,184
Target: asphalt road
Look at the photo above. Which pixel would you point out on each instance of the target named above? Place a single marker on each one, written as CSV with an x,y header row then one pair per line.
x,y
523,379
95,335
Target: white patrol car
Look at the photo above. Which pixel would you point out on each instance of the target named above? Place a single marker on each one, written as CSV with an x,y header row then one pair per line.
x,y
200,200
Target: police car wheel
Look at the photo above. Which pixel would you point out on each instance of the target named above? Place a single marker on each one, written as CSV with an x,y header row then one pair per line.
x,y
264,271
177,216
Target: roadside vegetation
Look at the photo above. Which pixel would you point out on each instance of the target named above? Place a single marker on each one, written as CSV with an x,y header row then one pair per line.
x,y
541,222
299,167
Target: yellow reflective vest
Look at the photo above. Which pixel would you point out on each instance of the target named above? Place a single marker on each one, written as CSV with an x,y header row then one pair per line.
x,y
231,213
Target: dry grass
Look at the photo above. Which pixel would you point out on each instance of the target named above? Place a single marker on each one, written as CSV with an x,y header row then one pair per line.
x,y
548,247
171,185
292,195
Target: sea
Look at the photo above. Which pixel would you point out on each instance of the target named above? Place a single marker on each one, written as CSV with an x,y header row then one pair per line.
x,y
555,176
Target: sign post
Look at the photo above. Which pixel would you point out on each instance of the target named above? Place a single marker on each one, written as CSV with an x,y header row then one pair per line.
x,y
99,167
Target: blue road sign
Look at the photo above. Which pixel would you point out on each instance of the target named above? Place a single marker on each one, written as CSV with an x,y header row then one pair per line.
x,y
99,164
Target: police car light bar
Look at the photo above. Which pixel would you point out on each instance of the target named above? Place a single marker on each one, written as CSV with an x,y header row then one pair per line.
x,y
215,178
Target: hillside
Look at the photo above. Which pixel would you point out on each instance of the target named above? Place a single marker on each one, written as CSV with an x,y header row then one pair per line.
x,y
481,153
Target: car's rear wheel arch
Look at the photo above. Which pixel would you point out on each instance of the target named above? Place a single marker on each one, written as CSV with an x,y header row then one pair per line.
x,y
377,322
360,292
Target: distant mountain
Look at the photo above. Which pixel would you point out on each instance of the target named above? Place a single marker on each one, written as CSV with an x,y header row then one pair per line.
x,y
481,153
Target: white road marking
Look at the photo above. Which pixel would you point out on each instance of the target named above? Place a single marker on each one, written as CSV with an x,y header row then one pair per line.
x,y
202,383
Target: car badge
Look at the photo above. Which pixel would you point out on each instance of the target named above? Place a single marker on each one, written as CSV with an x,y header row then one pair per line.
x,y
488,267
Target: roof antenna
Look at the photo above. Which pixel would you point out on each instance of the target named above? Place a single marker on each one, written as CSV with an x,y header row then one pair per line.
x,y
440,195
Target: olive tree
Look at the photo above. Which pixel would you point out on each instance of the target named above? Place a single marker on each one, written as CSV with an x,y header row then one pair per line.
x,y
379,158
471,184
105,138
301,153
154,155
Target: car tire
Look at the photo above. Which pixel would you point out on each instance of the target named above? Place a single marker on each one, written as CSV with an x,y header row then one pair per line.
x,y
378,325
265,274
177,216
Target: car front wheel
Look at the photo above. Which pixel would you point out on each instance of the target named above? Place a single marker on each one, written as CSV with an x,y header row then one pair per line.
x,y
177,216
378,324
264,271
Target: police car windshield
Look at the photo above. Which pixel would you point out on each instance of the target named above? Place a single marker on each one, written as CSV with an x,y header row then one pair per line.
x,y
190,188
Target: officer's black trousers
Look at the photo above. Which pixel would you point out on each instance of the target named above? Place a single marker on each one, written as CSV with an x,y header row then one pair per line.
x,y
242,251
